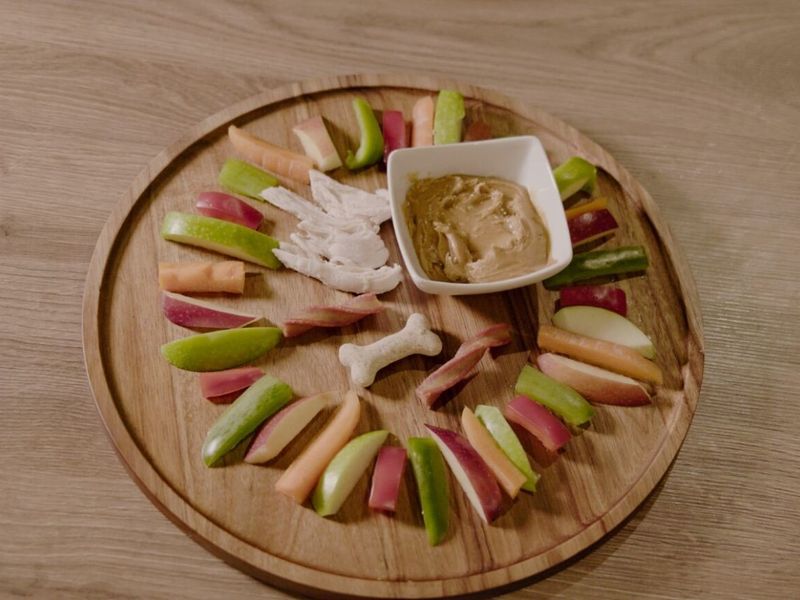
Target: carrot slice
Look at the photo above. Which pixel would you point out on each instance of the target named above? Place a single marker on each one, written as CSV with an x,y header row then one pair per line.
x,y
508,476
299,479
222,276
614,357
422,122
272,158
596,204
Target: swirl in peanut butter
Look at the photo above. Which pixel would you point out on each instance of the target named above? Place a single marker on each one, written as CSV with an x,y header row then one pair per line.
x,y
467,228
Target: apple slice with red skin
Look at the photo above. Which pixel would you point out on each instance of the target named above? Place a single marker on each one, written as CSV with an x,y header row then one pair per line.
x,y
223,387
228,208
395,134
471,472
601,296
541,455
539,421
275,434
593,383
317,143
590,226
197,314
386,478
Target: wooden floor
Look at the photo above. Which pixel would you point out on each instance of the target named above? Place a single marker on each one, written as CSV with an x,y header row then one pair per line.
x,y
699,100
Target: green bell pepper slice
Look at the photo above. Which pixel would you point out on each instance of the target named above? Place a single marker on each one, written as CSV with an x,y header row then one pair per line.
x,y
431,475
600,263
370,149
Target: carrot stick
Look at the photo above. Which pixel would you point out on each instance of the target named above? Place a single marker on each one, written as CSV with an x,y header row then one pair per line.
x,y
267,156
222,276
614,357
300,478
596,204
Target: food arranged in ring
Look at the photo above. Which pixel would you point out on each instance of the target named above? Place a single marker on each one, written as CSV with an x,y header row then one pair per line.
x,y
465,228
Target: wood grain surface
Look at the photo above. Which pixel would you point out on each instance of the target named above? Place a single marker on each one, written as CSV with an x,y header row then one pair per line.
x,y
698,100
158,422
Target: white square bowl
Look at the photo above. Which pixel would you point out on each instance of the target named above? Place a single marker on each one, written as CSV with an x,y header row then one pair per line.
x,y
519,159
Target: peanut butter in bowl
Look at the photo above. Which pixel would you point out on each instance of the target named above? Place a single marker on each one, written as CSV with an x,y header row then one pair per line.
x,y
474,229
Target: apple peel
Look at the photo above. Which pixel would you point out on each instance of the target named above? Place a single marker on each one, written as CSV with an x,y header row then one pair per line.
x,y
197,314
458,368
386,478
333,315
602,296
223,387
591,226
539,421
394,132
228,208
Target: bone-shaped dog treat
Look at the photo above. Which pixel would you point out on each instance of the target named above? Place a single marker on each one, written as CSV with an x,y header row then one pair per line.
x,y
364,362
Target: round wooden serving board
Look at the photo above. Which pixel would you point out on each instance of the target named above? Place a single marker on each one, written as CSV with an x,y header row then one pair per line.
x,y
158,420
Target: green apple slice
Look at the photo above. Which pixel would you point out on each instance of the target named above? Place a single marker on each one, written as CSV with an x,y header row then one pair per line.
x,y
260,401
509,443
602,324
573,175
243,178
221,236
344,471
431,475
220,350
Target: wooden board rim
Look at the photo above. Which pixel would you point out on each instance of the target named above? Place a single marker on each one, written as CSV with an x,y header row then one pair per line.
x,y
299,578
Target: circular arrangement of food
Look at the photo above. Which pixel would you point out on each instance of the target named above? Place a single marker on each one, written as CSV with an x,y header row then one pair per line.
x,y
456,227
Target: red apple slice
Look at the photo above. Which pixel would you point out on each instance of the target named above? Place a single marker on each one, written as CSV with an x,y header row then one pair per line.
x,y
591,226
470,471
223,206
539,421
601,296
196,314
541,455
223,387
394,132
386,478
281,429
593,383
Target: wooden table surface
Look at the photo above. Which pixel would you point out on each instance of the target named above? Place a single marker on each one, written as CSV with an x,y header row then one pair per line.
x,y
699,100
